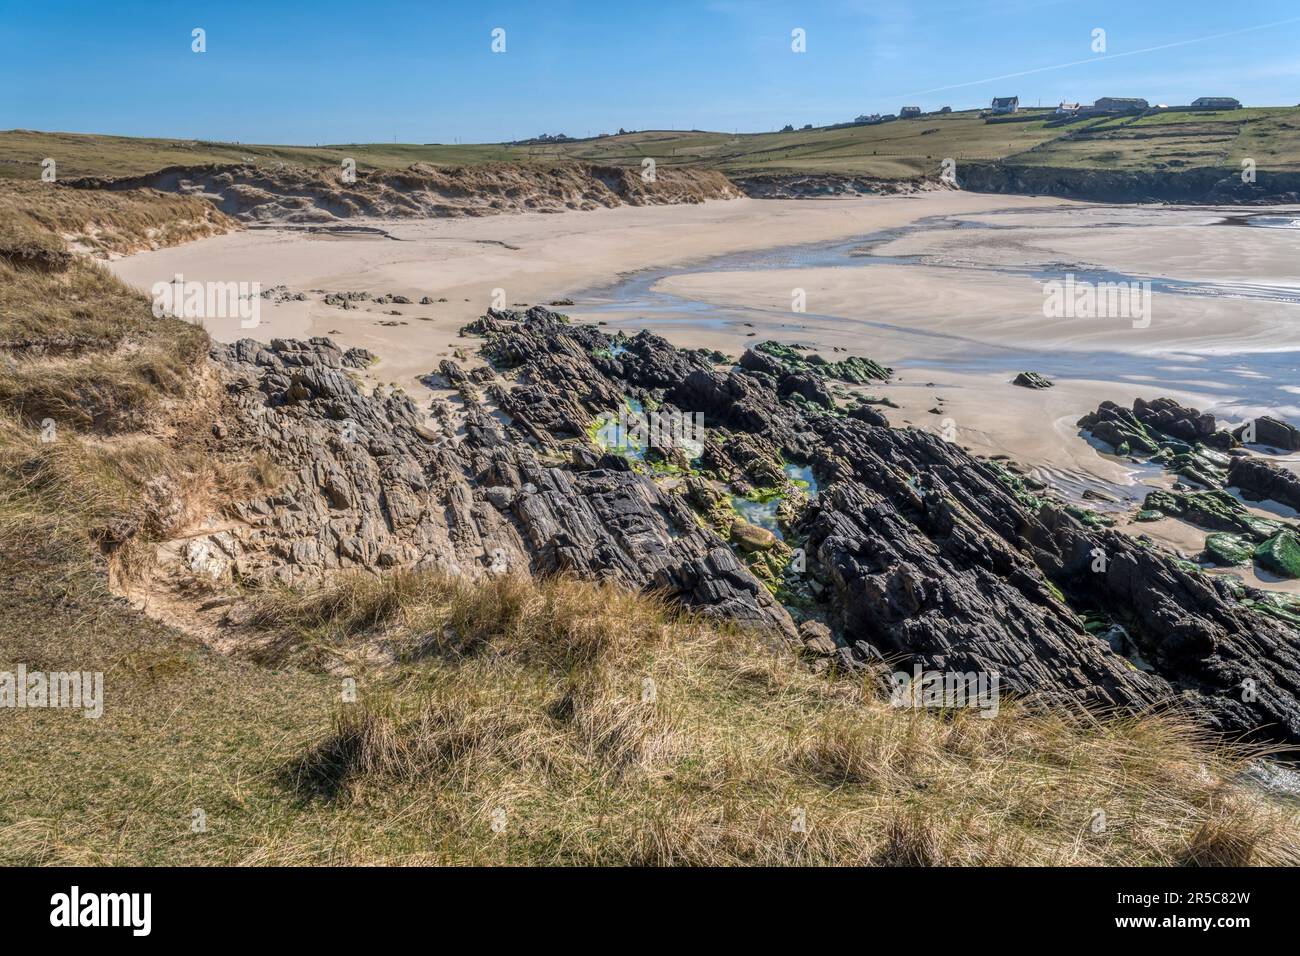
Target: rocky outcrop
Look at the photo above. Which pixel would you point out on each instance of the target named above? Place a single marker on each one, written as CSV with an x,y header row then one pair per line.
x,y
1259,481
1185,440
895,549
371,484
1213,185
1267,430
1031,380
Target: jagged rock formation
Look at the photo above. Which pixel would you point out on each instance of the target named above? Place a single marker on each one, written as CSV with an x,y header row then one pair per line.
x,y
296,194
372,485
1031,380
1185,440
1270,431
1258,480
907,549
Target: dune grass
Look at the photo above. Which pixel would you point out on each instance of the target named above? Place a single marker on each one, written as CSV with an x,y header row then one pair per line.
x,y
50,215
605,727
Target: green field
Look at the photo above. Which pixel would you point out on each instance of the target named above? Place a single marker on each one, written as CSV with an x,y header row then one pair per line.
x,y
1269,135
902,149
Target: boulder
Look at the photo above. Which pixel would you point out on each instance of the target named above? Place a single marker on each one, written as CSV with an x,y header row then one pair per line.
x,y
817,639
1031,380
1271,431
1258,480
751,537
1280,554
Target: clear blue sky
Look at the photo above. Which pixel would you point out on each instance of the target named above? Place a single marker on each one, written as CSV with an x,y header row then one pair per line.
x,y
375,70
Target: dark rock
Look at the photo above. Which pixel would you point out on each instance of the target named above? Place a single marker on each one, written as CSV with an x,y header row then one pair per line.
x,y
1271,431
1259,480
1031,380
916,552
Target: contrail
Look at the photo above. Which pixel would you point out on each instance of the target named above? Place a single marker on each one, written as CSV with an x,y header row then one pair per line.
x,y
1098,58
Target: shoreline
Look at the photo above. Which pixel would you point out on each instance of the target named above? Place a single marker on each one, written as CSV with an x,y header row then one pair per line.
x,y
947,363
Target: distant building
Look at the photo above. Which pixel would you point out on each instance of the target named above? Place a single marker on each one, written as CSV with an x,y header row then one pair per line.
x,y
1006,104
909,112
945,109
1120,104
868,119
1216,103
1067,108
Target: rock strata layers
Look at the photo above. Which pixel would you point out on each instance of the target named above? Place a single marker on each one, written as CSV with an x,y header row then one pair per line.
x,y
763,492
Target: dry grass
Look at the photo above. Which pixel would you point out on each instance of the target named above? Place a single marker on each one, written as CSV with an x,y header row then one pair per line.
x,y
627,733
79,346
48,216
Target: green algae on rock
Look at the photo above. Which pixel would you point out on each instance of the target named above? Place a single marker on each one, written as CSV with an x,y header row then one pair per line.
x,y
854,370
1228,550
1280,554
1215,510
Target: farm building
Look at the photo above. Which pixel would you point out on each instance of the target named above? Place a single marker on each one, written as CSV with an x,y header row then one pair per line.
x,y
1216,103
909,112
1006,104
1120,104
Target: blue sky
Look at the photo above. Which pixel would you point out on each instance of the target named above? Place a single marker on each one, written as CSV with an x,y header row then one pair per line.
x,y
332,72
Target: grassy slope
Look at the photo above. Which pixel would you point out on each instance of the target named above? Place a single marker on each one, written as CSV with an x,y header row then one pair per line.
x,y
891,150
526,697
901,149
47,214
77,154
1269,135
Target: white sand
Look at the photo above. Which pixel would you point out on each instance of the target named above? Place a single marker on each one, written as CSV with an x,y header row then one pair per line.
x,y
531,257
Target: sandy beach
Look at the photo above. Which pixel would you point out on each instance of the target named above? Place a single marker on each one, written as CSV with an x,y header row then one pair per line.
x,y
530,257
947,287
